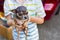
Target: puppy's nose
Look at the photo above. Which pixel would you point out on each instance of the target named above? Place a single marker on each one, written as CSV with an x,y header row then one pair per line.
x,y
25,17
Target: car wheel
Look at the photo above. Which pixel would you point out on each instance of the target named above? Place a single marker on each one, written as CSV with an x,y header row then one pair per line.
x,y
57,11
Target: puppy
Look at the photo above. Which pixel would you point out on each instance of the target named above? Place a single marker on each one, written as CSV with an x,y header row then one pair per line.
x,y
21,14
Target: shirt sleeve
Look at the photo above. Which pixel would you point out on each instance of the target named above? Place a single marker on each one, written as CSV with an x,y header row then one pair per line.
x,y
40,10
6,8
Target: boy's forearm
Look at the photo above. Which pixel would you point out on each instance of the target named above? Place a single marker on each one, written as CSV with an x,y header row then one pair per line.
x,y
8,17
37,20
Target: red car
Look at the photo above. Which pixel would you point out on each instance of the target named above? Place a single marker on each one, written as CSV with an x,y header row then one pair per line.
x,y
51,7
1,5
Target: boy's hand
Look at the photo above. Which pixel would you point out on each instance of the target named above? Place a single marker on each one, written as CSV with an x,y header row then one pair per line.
x,y
10,22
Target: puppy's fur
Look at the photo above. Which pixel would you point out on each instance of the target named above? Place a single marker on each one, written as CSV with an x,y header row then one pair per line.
x,y
22,15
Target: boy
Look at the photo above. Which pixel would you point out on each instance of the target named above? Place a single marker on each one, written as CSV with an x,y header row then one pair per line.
x,y
36,14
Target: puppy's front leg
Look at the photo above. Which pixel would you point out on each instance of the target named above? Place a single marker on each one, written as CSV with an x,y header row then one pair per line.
x,y
26,29
18,33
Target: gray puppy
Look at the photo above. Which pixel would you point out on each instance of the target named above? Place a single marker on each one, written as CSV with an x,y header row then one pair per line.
x,y
22,15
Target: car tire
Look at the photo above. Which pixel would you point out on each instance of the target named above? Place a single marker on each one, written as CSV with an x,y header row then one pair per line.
x,y
57,13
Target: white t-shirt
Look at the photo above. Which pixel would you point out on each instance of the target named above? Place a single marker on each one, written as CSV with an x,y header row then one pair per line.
x,y
33,7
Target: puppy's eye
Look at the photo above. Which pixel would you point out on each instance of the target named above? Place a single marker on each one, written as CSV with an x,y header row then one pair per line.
x,y
25,13
20,14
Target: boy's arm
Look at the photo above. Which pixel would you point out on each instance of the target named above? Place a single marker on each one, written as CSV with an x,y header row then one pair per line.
x,y
40,13
7,12
37,20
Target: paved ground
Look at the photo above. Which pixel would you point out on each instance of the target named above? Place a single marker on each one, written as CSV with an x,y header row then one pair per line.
x,y
2,38
50,30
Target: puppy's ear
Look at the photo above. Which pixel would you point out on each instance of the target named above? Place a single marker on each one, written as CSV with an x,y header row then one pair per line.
x,y
14,11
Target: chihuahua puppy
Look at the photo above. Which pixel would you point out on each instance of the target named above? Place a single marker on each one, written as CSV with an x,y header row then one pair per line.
x,y
20,17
